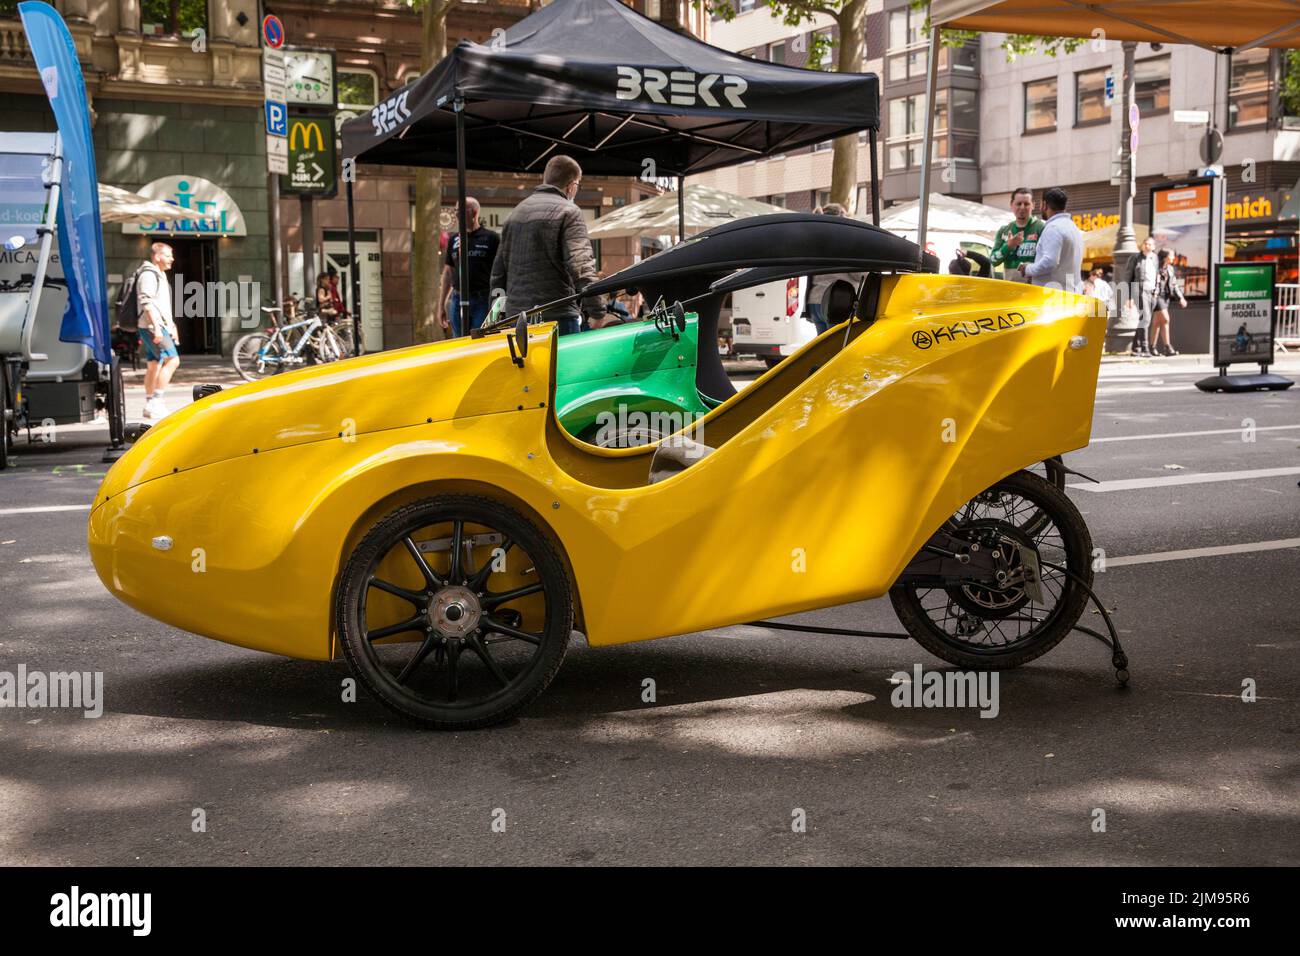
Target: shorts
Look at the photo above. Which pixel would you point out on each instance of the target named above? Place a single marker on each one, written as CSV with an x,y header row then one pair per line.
x,y
154,352
1161,303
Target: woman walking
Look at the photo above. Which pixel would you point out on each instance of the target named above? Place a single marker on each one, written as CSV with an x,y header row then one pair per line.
x,y
1168,288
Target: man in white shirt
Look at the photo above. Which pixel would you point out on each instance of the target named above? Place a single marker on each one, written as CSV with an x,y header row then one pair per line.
x,y
1058,261
158,333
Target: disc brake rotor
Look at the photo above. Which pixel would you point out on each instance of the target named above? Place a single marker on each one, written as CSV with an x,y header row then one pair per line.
x,y
1009,546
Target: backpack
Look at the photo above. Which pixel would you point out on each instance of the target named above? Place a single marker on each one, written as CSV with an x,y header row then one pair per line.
x,y
128,306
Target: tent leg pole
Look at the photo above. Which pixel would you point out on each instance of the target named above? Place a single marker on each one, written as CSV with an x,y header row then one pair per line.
x,y
681,208
931,80
354,275
875,179
463,265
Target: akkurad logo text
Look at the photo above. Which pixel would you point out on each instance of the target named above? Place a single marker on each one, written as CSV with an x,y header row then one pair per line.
x,y
924,338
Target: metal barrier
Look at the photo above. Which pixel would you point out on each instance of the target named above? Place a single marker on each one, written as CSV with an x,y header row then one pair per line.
x,y
1286,336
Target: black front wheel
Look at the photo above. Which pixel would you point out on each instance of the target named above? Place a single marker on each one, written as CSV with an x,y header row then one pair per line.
x,y
455,611
1028,524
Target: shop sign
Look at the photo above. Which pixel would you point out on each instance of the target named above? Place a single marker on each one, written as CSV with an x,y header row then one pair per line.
x,y
222,215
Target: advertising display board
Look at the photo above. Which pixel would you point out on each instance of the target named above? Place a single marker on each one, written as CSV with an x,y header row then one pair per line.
x,y
1185,219
1243,314
313,165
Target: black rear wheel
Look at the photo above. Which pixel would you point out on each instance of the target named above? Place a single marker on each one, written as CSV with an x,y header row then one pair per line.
x,y
454,611
6,427
1028,524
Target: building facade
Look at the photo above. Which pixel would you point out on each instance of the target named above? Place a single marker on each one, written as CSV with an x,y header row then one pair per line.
x,y
177,111
799,179
176,100
1044,122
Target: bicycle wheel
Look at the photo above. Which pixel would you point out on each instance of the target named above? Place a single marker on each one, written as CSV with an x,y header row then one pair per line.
x,y
990,628
257,356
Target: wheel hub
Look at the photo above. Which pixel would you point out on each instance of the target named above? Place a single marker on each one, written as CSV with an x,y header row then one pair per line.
x,y
455,611
1005,542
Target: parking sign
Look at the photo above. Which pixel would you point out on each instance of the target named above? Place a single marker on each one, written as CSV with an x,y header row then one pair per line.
x,y
277,118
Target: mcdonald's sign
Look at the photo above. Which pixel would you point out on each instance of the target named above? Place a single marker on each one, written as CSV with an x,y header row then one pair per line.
x,y
312,157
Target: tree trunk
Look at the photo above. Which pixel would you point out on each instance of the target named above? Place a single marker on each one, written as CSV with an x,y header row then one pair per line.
x,y
852,22
426,256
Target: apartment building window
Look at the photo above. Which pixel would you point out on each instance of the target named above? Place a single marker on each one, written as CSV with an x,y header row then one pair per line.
x,y
744,6
1040,105
956,128
1151,80
823,146
827,48
777,199
357,88
1249,90
821,197
906,28
1090,97
776,52
173,17
860,208
959,59
909,53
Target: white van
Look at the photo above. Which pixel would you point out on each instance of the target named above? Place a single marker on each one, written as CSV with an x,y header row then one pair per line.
x,y
770,321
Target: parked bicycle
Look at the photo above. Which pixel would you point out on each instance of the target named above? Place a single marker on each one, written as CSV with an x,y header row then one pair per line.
x,y
305,341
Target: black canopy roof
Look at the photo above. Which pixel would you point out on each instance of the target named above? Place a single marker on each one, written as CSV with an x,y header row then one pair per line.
x,y
761,248
612,88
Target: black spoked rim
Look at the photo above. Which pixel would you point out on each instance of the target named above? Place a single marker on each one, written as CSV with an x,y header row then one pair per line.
x,y
470,631
983,620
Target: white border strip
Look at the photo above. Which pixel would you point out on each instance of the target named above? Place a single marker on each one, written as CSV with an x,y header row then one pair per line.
x,y
1203,552
1213,431
1133,484
45,509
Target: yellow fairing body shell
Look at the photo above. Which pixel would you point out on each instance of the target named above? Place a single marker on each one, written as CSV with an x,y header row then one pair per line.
x,y
829,473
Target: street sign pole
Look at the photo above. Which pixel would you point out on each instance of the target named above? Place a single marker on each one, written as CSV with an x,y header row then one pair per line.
x,y
308,217
276,114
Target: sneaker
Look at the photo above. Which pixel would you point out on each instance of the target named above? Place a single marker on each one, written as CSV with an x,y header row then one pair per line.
x,y
148,409
160,409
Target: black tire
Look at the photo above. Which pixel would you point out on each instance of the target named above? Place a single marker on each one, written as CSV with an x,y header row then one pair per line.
x,y
245,357
772,361
1051,522
425,680
116,405
5,429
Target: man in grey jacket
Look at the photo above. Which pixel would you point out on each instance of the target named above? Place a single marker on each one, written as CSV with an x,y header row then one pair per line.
x,y
545,253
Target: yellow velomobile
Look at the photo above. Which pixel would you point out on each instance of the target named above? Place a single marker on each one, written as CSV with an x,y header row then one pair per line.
x,y
422,513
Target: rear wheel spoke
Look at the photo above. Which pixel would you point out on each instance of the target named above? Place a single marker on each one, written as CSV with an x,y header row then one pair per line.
x,y
457,559
476,644
453,677
491,601
430,578
494,626
482,574
412,624
430,641
415,597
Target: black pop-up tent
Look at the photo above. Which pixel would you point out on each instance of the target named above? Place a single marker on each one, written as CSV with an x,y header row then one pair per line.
x,y
619,92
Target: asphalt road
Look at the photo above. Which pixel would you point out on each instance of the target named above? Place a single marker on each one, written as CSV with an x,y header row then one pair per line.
x,y
751,725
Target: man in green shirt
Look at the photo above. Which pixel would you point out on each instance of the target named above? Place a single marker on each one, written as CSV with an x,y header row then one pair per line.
x,y
1017,242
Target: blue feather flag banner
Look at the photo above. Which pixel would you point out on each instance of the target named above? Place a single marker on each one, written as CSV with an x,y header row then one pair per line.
x,y
81,239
